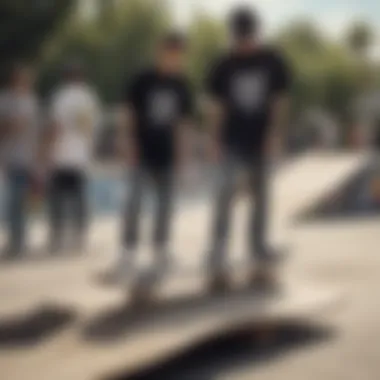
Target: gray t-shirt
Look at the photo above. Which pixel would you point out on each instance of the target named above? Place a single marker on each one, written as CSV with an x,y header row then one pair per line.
x,y
20,114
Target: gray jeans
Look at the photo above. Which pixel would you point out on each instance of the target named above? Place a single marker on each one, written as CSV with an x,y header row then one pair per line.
x,y
230,169
163,190
17,184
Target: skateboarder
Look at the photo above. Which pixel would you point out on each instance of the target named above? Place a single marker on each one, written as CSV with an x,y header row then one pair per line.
x,y
247,89
19,130
69,145
158,108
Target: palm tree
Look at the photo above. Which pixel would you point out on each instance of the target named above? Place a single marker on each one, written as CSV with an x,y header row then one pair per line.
x,y
360,37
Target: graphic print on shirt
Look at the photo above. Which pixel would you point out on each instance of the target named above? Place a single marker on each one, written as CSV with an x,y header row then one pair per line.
x,y
162,107
248,90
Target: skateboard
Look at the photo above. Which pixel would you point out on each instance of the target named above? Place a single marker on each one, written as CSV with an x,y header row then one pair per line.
x,y
147,285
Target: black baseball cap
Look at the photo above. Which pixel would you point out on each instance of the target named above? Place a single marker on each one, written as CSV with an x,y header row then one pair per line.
x,y
243,22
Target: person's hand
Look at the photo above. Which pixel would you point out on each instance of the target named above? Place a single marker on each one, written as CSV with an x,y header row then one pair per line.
x,y
188,175
183,160
130,156
37,188
213,152
275,147
132,159
39,177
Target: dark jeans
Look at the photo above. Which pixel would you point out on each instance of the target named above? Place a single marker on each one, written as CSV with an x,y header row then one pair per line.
x,y
17,187
67,198
230,169
161,180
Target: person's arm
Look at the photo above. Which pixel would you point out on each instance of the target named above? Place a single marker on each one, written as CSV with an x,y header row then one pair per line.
x,y
48,138
4,126
97,120
279,123
4,131
280,106
213,111
10,123
126,143
126,146
4,121
49,134
184,136
214,117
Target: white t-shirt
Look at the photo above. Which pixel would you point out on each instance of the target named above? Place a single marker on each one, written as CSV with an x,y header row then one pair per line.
x,y
75,110
21,111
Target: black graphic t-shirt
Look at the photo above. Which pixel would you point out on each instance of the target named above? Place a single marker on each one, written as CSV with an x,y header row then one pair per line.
x,y
246,86
159,103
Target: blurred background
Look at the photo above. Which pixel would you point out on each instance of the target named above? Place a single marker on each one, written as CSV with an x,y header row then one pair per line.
x,y
334,51
333,48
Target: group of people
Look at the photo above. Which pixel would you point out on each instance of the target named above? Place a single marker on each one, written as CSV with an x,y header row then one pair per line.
x,y
46,150
246,102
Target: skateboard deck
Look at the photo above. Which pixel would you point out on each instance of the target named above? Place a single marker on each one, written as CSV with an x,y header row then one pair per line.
x,y
113,337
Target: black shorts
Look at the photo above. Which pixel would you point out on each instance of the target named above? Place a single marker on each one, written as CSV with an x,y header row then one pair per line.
x,y
68,181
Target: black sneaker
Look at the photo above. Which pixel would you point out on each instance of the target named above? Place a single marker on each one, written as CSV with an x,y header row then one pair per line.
x,y
264,278
219,280
270,255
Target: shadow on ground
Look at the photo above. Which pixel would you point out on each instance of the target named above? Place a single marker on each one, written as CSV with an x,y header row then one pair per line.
x,y
233,352
33,328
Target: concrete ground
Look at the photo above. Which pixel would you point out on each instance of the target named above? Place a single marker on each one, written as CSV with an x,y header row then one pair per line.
x,y
344,254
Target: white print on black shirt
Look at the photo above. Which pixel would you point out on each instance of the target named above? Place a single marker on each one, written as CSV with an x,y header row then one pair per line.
x,y
163,107
248,90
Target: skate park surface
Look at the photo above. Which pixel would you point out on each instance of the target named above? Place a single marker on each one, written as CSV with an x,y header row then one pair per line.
x,y
340,253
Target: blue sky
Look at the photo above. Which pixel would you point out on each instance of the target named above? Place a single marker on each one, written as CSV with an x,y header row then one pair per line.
x,y
333,16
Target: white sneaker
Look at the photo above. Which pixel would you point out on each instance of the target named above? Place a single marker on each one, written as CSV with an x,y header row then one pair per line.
x,y
162,261
125,265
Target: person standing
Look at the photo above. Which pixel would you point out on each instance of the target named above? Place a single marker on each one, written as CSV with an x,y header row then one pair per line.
x,y
247,91
68,148
158,106
19,125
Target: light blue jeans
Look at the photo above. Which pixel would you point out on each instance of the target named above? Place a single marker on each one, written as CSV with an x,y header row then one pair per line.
x,y
17,187
229,170
162,184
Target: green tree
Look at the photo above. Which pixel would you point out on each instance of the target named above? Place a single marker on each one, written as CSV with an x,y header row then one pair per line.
x,y
207,38
113,53
26,25
324,75
360,37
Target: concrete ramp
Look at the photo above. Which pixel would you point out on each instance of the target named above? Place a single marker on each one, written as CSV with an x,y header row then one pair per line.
x,y
312,177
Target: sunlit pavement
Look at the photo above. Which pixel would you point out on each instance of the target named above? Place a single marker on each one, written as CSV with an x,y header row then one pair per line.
x,y
343,253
